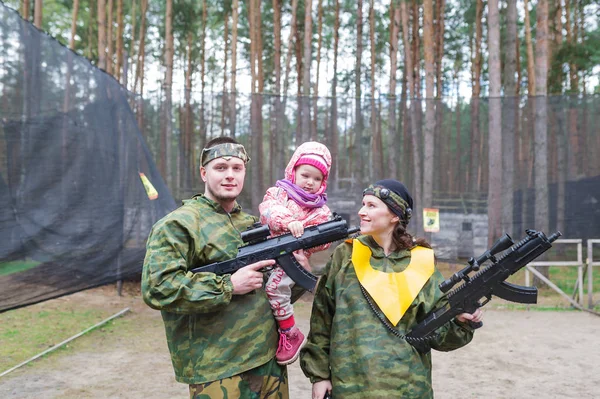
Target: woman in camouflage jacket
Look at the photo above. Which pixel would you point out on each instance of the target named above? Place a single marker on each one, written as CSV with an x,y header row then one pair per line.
x,y
375,289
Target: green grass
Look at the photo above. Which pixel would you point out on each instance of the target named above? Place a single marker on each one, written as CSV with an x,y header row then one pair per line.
x,y
566,276
31,330
7,268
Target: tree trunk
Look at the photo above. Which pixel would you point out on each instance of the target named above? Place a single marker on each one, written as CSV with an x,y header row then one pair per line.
x,y
141,57
261,89
316,87
306,125
38,13
458,177
495,126
540,142
376,145
101,7
358,167
259,56
133,55
73,24
224,102
571,39
392,128
290,47
428,139
168,87
442,136
403,135
26,9
510,108
475,133
90,36
333,142
120,28
278,153
255,110
529,44
299,103
109,37
188,164
439,31
556,75
408,62
234,33
203,130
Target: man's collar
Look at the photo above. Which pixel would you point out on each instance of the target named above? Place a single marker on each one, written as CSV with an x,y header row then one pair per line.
x,y
217,206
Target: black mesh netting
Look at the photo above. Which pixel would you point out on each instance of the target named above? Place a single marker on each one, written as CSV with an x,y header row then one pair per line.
x,y
74,212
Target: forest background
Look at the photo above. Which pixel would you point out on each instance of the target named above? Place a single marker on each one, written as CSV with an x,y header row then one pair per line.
x,y
492,101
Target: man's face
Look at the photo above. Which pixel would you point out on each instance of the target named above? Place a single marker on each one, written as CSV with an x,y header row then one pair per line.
x,y
224,178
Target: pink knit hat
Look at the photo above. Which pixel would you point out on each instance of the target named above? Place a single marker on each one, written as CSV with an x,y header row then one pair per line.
x,y
313,160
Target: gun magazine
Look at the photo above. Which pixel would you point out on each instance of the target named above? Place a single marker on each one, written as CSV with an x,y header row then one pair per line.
x,y
421,344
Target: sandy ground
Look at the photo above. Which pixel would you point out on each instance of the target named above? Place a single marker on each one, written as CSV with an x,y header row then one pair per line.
x,y
518,354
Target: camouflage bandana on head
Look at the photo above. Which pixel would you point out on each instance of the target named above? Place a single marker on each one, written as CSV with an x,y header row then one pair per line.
x,y
396,203
225,150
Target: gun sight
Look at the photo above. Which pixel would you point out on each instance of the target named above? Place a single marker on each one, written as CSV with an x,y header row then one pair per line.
x,y
256,234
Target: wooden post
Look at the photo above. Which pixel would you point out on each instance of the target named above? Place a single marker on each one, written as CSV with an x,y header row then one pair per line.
x,y
590,266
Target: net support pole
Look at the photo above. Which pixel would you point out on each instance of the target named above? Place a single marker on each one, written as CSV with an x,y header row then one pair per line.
x,y
122,312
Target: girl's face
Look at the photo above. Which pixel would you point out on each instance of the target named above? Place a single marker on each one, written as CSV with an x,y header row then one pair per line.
x,y
376,219
308,178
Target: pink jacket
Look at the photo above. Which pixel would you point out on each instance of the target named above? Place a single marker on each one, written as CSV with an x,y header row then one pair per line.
x,y
277,210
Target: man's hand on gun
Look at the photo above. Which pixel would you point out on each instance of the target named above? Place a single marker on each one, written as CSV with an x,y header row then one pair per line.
x,y
249,278
302,259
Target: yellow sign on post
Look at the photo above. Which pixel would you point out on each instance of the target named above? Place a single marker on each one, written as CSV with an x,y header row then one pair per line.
x,y
431,220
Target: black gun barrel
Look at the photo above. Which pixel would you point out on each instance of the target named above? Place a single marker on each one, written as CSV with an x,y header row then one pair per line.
x,y
554,236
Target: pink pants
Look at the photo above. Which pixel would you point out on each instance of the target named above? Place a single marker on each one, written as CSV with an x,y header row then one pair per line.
x,y
279,291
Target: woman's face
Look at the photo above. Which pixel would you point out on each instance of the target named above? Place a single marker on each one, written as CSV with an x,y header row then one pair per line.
x,y
376,219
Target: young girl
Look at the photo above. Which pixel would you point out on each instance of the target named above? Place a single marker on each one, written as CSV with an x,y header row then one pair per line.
x,y
375,289
296,202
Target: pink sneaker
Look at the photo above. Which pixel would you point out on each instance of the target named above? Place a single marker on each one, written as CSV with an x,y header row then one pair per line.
x,y
290,343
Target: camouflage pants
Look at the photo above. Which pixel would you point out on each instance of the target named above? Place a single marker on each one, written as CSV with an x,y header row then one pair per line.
x,y
269,381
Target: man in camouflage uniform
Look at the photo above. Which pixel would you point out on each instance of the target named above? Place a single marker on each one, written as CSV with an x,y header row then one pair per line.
x,y
220,331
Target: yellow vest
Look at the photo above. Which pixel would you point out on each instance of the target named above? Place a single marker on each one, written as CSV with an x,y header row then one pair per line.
x,y
393,292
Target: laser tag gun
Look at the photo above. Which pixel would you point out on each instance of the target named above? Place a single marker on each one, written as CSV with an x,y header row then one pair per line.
x,y
488,281
281,248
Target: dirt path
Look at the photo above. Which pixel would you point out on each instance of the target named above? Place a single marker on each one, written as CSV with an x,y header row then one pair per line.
x,y
517,354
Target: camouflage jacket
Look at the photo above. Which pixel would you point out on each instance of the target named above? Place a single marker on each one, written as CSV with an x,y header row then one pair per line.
x,y
211,334
350,346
